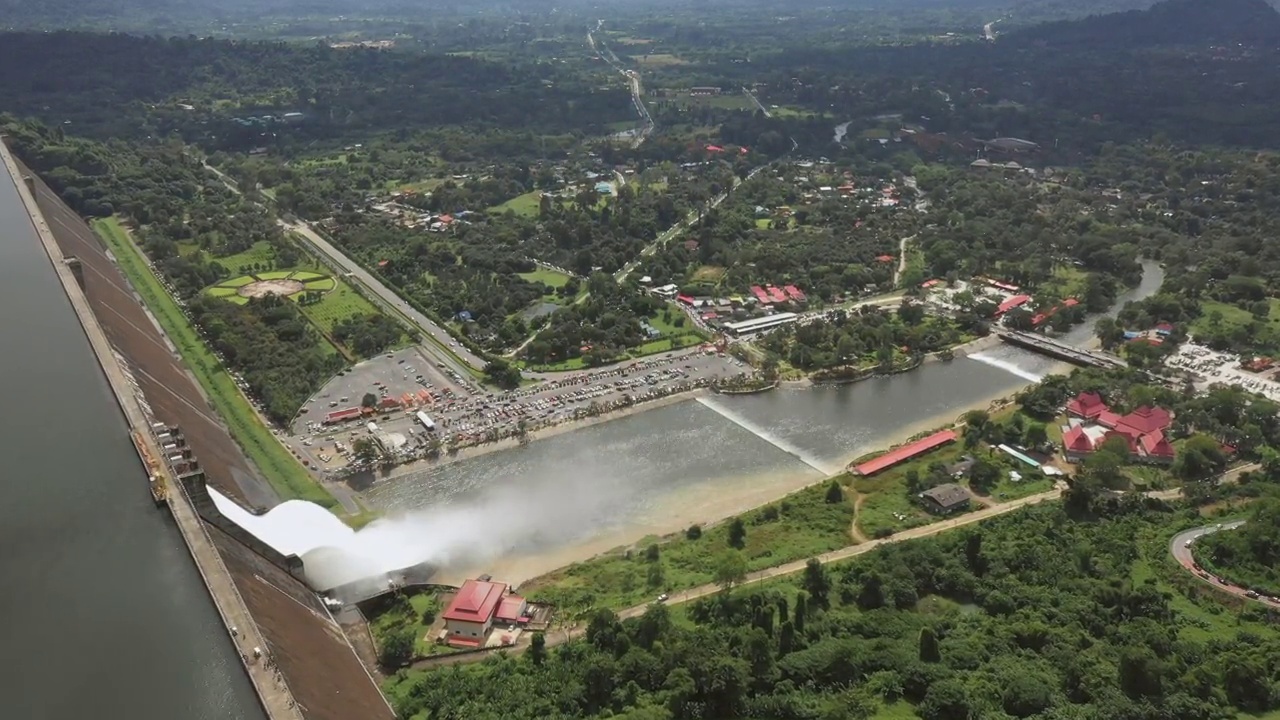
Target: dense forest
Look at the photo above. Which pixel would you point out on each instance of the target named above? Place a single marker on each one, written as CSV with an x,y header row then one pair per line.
x,y
1031,615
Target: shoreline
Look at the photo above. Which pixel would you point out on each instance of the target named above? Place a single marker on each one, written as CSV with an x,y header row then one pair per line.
x,y
276,699
508,443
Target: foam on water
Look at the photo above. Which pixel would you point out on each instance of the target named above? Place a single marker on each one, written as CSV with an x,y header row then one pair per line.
x,y
763,434
1007,366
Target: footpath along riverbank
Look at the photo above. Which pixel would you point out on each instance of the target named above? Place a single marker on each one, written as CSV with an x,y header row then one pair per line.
x,y
274,695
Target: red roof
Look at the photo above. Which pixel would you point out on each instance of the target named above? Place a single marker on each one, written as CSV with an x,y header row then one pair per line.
x,y
1070,302
1145,420
776,294
446,219
685,299
931,283
906,452
760,294
511,609
343,415
1086,405
1156,445
884,258
714,148
1107,418
1077,440
1011,303
383,263
456,641
475,602
389,403
1129,440
794,293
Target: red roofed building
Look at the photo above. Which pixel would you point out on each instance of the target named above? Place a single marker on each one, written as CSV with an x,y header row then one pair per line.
x,y
1086,405
1142,430
776,294
715,149
1011,303
512,610
795,293
884,258
760,294
339,416
470,614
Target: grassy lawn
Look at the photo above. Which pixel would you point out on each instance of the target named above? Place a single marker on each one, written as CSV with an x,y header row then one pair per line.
x,y
280,469
426,185
785,111
416,612
526,204
1231,315
546,277
259,254
1067,281
338,304
708,273
888,507
798,526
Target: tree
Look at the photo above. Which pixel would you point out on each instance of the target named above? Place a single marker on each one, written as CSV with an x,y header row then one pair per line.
x,y
835,493
538,649
369,400
397,648
694,532
1200,457
815,582
983,475
737,533
946,699
503,374
731,569
1035,435
928,642
366,450
802,604
652,553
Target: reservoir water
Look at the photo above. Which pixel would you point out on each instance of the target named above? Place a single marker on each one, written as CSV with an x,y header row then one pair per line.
x,y
105,613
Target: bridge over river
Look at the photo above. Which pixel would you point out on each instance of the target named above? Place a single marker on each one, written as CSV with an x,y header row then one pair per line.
x,y
1060,350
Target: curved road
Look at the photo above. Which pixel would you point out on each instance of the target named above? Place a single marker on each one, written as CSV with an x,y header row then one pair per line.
x,y
1181,547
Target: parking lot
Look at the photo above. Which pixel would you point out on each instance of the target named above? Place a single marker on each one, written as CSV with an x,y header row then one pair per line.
x,y
462,413
1212,366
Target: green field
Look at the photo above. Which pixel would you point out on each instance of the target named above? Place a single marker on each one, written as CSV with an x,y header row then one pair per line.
x,y
338,305
280,469
221,291
321,284
1232,315
546,277
259,254
798,526
274,275
237,282
526,204
304,276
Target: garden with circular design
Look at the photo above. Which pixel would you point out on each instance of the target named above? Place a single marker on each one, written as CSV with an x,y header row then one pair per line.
x,y
294,284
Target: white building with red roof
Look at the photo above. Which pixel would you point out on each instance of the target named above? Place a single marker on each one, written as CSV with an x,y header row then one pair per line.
x,y
474,609
1091,423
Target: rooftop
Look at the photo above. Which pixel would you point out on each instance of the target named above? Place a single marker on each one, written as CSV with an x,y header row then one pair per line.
x,y
948,495
476,601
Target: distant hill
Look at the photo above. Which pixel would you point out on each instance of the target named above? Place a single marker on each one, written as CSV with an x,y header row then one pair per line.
x,y
1171,22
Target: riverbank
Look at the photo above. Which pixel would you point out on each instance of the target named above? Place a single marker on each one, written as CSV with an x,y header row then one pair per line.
x,y
274,695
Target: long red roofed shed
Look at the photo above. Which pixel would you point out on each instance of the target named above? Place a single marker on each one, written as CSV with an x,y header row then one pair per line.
x,y
906,452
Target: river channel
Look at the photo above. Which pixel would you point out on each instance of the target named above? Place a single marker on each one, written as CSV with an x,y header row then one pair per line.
x,y
568,495
105,613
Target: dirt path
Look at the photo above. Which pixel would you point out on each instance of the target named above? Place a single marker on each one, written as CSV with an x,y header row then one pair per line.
x,y
854,531
902,260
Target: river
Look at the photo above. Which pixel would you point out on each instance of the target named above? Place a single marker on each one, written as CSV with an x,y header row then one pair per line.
x,y
565,497
106,614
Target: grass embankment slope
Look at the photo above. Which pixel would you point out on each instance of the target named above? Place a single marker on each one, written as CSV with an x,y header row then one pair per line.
x,y
801,525
280,469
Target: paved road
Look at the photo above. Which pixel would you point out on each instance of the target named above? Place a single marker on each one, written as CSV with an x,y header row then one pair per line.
x,y
1182,547
437,337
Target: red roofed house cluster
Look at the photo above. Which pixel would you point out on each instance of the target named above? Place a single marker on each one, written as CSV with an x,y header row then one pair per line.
x,y
1092,423
475,608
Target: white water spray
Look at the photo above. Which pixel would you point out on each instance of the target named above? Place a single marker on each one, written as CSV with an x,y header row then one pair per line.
x,y
503,521
1007,366
774,440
